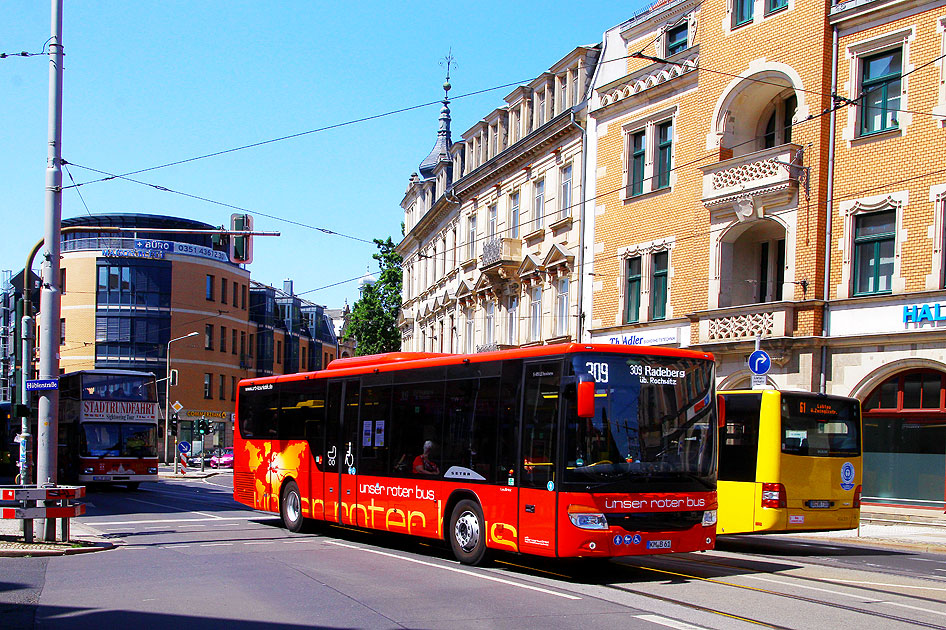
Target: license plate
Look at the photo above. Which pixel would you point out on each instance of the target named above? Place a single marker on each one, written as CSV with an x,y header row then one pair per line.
x,y
658,544
819,505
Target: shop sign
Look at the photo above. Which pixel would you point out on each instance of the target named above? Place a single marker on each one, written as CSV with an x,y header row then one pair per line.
x,y
923,313
643,337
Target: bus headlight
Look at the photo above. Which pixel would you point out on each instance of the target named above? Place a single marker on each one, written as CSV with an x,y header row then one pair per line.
x,y
586,517
709,518
87,471
152,471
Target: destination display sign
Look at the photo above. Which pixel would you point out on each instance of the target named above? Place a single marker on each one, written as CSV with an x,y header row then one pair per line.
x,y
119,410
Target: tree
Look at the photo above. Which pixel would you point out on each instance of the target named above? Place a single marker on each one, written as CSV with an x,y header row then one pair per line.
x,y
373,322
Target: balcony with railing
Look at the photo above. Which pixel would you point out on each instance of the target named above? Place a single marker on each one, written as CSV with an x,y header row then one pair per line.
x,y
762,177
745,322
501,257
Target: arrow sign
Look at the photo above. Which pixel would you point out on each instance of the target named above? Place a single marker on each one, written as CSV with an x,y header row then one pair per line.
x,y
184,447
759,362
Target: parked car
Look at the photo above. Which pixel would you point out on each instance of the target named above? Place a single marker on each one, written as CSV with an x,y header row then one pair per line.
x,y
193,460
223,459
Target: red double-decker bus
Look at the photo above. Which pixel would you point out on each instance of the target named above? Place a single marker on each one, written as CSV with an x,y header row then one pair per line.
x,y
569,450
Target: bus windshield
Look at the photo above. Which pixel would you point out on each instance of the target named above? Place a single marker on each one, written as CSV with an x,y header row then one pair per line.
x,y
118,439
819,426
654,420
132,387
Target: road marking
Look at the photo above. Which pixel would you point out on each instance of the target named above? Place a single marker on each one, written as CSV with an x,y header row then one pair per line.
x,y
813,588
928,588
217,545
171,507
265,542
670,623
170,520
489,578
292,542
176,546
926,610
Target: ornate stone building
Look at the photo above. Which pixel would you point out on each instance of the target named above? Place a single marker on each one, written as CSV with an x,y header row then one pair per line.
x,y
493,222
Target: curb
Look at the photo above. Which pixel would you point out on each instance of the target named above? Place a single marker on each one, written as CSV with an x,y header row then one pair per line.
x,y
26,551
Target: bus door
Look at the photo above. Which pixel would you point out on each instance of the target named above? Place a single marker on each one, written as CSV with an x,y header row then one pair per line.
x,y
538,459
738,460
340,448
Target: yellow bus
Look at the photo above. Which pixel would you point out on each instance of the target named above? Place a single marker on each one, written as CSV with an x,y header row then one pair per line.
x,y
789,462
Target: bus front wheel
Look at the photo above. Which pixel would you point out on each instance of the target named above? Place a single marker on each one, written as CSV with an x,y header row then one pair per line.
x,y
290,508
468,532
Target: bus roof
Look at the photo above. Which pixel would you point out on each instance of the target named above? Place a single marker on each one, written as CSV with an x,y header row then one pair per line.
x,y
414,360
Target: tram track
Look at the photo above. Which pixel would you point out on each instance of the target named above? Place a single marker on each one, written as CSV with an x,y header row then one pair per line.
x,y
761,622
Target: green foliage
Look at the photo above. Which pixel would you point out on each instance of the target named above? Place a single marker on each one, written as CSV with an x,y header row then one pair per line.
x,y
373,322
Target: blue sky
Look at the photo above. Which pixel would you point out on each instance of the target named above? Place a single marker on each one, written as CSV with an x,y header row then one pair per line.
x,y
147,83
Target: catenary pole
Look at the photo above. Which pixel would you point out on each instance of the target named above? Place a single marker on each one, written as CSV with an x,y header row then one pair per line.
x,y
49,301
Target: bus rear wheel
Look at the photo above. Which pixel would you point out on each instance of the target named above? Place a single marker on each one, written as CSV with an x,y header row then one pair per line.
x,y
290,508
468,532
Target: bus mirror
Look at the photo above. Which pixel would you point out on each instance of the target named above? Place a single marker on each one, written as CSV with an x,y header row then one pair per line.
x,y
586,399
721,411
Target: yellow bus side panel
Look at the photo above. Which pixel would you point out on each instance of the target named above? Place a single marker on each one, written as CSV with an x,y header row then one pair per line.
x,y
735,515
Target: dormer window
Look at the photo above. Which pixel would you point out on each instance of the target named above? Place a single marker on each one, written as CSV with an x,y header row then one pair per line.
x,y
678,39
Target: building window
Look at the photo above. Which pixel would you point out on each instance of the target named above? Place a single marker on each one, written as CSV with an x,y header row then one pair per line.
x,y
279,352
677,39
208,385
874,236
468,337
223,290
62,281
778,128
471,237
233,388
664,153
880,90
243,296
742,11
210,288
140,283
512,323
233,341
489,324
242,344
649,151
208,337
771,6
658,286
561,308
566,197
491,220
223,339
514,214
637,163
632,291
62,331
535,315
538,209
222,387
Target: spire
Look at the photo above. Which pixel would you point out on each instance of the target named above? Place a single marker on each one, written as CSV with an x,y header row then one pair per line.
x,y
441,150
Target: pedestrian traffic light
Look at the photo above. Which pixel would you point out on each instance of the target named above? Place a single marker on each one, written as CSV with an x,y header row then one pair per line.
x,y
174,420
241,247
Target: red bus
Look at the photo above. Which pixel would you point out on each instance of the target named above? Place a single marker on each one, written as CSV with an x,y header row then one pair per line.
x,y
568,450
108,427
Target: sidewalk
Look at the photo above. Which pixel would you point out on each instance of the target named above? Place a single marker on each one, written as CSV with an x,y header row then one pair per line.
x,y
84,539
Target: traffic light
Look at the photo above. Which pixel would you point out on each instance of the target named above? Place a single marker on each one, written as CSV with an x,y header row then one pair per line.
x,y
220,240
174,420
201,427
241,247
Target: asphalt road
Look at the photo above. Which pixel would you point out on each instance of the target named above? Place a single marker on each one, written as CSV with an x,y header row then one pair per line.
x,y
187,556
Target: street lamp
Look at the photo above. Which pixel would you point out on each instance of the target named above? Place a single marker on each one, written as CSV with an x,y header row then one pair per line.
x,y
167,394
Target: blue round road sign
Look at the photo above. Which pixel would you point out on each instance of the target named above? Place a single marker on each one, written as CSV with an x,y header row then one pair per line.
x,y
759,362
184,447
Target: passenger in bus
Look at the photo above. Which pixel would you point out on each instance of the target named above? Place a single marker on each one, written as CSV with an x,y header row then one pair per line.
x,y
423,464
